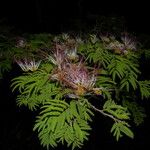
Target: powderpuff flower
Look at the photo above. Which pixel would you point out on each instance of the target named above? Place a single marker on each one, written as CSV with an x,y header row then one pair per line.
x,y
129,42
79,78
28,65
58,57
72,54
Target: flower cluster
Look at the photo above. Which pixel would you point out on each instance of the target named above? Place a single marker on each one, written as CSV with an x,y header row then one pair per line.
x,y
72,54
126,44
129,42
80,78
72,74
28,65
58,56
75,76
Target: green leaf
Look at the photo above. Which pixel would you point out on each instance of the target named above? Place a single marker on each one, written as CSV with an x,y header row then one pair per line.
x,y
126,131
144,88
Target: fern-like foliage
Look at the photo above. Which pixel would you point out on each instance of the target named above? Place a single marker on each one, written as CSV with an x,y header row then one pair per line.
x,y
95,52
75,70
106,83
119,115
147,53
30,83
120,66
117,111
5,66
144,88
120,128
137,111
5,55
35,88
60,121
99,55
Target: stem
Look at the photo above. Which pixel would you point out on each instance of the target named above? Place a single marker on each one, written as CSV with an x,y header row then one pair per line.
x,y
105,114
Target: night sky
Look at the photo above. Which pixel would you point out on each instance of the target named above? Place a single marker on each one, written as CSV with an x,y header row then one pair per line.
x,y
54,16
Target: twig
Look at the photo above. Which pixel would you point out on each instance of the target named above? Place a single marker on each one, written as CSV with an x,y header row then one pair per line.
x,y
105,114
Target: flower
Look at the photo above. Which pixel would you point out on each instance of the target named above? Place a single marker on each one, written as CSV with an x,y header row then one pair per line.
x,y
78,77
72,74
58,56
129,42
28,65
122,47
72,54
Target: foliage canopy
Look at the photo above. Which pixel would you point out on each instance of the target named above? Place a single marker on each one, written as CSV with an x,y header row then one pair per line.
x,y
61,73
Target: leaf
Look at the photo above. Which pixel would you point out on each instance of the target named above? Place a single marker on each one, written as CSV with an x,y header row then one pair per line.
x,y
137,111
63,122
117,111
78,131
126,131
121,127
73,109
144,88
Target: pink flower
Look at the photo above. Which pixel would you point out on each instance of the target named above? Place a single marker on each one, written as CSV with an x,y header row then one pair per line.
x,y
71,74
72,54
58,56
28,65
78,77
129,42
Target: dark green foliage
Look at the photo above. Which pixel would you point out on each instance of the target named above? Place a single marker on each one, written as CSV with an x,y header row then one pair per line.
x,y
5,54
5,66
137,111
144,88
95,52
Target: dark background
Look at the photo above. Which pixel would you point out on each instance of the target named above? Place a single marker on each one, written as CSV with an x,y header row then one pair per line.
x,y
55,16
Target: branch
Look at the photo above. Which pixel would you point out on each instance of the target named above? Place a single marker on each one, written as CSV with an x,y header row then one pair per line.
x,y
105,114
